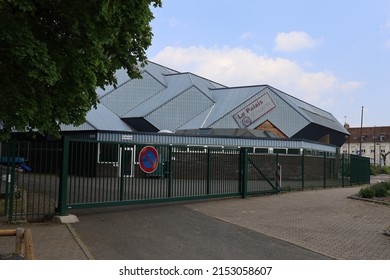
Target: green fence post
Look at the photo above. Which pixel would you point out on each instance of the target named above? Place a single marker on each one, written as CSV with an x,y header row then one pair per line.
x,y
208,171
277,171
170,171
342,170
303,169
122,175
244,172
63,177
324,170
12,183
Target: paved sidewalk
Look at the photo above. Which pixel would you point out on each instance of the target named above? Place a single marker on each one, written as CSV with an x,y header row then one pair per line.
x,y
324,221
51,242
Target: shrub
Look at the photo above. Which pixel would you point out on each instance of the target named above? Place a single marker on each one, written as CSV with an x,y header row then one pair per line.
x,y
374,170
366,192
379,189
385,169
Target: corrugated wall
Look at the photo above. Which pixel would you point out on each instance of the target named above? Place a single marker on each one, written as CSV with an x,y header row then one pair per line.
x,y
151,138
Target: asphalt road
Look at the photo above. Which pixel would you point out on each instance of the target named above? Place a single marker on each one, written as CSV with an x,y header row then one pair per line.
x,y
174,231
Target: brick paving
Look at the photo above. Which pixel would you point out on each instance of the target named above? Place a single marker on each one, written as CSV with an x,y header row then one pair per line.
x,y
324,221
51,242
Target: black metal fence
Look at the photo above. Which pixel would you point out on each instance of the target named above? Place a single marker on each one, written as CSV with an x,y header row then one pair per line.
x,y
44,178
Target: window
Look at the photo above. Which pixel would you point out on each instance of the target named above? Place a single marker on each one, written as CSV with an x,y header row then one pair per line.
x,y
261,151
280,151
294,151
382,138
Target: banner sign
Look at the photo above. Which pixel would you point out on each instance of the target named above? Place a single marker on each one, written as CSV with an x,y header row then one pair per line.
x,y
254,110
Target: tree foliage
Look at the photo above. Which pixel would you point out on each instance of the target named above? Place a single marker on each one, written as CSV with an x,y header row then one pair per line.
x,y
54,53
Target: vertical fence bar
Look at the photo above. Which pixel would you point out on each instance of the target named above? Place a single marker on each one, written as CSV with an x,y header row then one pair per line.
x,y
63,177
122,175
324,170
342,170
208,171
11,173
244,172
276,171
303,169
169,167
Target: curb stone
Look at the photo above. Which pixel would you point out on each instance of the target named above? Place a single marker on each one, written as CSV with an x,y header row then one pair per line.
x,y
83,247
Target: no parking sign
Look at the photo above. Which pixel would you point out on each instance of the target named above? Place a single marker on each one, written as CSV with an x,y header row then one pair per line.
x,y
148,159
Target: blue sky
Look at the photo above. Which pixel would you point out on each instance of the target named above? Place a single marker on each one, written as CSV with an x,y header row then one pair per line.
x,y
332,54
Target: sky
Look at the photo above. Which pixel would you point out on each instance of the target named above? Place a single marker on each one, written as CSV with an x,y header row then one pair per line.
x,y
332,54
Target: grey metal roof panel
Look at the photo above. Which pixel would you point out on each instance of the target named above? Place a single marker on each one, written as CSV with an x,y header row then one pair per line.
x,y
179,110
205,85
104,119
197,121
174,88
312,113
176,85
131,94
158,71
100,118
121,77
83,127
153,69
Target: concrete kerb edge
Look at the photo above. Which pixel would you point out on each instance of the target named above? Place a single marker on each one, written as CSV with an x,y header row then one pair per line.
x,y
369,200
68,220
80,242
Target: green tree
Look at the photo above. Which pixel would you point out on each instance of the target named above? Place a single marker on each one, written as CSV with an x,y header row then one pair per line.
x,y
55,53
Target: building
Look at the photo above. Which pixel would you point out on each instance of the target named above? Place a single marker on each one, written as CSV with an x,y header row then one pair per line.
x,y
184,103
372,142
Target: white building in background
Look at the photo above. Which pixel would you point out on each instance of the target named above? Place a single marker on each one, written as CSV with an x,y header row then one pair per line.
x,y
372,142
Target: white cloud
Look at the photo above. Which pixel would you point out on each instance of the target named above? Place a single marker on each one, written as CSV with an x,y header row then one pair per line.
x,y
172,22
387,25
239,66
387,44
246,36
295,41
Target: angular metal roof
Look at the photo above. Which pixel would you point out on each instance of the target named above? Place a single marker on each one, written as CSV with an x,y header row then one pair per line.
x,y
101,119
168,99
312,113
228,99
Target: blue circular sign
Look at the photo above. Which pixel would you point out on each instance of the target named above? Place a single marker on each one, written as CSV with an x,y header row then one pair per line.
x,y
148,159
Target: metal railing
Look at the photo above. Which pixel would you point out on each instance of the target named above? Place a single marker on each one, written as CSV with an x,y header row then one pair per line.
x,y
72,173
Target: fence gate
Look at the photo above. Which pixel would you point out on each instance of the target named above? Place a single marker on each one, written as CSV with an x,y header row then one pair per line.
x,y
359,170
263,173
98,173
29,179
